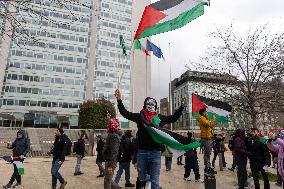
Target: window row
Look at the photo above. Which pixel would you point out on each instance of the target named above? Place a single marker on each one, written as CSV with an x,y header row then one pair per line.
x,y
115,26
47,68
39,55
114,7
54,92
110,64
53,35
45,79
112,54
116,17
11,102
67,6
54,46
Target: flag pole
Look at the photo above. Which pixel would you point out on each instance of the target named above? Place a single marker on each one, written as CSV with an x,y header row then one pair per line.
x,y
170,85
146,77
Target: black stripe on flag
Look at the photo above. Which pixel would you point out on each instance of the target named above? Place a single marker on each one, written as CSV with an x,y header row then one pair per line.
x,y
165,4
181,139
215,103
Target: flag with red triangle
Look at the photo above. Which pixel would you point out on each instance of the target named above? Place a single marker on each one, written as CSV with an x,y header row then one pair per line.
x,y
167,15
221,110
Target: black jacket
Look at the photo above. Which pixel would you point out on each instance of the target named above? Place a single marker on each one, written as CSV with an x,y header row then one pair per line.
x,y
59,148
99,149
20,147
81,147
126,150
145,141
111,148
259,152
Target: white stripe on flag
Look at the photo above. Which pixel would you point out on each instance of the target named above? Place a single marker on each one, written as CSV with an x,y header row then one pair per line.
x,y
218,111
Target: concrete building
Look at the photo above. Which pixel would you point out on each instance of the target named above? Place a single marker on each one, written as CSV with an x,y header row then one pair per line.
x,y
201,83
43,83
164,109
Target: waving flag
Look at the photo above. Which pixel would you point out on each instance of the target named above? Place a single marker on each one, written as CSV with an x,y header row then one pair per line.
x,y
20,167
221,109
122,44
167,15
138,45
156,50
177,143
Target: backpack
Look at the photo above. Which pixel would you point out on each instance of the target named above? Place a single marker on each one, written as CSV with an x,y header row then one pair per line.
x,y
67,146
75,147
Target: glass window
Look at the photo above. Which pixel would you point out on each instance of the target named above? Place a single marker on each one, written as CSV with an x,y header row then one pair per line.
x,y
22,102
14,77
69,81
26,78
44,104
33,103
10,101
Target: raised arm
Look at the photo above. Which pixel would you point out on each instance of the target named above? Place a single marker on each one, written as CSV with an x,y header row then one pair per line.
x,y
122,110
206,122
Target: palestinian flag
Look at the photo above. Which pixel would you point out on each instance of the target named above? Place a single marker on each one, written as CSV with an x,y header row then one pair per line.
x,y
221,109
20,167
167,15
138,45
176,143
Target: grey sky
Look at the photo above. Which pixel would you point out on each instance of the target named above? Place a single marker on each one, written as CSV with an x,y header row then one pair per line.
x,y
189,43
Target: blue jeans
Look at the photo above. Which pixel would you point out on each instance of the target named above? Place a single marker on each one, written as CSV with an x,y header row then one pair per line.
x,y
55,174
168,163
123,166
149,165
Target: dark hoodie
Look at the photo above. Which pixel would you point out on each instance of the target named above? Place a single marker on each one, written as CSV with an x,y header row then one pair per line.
x,y
145,141
241,153
21,146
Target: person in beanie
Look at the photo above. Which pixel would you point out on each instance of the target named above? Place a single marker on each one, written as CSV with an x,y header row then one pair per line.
x,y
20,148
80,153
110,152
241,157
276,144
100,156
191,161
126,152
206,137
149,151
58,152
260,158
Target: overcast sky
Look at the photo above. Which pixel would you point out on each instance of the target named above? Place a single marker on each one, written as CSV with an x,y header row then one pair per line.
x,y
190,42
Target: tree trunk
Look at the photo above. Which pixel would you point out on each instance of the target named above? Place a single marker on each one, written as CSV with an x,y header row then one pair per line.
x,y
253,119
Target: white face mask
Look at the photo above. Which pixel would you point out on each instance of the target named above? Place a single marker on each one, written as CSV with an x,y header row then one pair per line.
x,y
151,105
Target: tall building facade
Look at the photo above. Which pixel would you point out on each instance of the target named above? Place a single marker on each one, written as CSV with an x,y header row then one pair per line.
x,y
44,82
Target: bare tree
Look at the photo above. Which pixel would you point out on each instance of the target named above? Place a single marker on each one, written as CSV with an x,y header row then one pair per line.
x,y
13,23
254,66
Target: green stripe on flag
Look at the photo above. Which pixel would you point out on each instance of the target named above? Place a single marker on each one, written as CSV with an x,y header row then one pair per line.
x,y
21,171
157,137
220,119
175,23
137,44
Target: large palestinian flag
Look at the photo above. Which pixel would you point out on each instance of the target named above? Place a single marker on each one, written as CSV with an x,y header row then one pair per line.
x,y
167,15
222,110
176,143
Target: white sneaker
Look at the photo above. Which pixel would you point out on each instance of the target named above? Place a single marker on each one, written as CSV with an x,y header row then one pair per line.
x,y
148,185
187,179
199,180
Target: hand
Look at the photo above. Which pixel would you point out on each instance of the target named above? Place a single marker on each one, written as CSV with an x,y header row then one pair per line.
x,y
22,157
214,116
135,165
60,162
183,101
117,94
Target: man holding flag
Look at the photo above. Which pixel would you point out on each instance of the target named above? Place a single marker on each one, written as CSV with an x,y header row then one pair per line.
x,y
149,150
20,148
